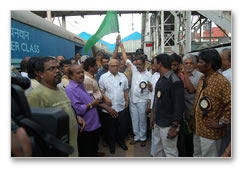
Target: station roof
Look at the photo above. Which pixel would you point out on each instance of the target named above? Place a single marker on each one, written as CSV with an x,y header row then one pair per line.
x,y
83,13
80,13
86,37
133,36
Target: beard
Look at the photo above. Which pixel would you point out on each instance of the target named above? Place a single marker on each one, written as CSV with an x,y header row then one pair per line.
x,y
189,70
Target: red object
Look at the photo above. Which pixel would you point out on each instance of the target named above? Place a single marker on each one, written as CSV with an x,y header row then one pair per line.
x,y
148,44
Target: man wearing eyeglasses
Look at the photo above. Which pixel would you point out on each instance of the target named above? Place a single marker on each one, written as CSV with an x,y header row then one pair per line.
x,y
139,97
49,95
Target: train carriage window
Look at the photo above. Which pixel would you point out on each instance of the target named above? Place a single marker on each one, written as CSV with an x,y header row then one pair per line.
x,y
77,50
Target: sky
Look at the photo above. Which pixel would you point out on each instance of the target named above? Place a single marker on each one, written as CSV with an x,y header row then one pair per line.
x,y
128,23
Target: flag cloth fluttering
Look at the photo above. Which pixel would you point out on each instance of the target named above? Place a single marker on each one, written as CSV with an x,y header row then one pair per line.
x,y
109,25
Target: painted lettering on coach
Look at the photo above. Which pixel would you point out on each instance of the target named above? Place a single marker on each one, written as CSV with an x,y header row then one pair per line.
x,y
20,42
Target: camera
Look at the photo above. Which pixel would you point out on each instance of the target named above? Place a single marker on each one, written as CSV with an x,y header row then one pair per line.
x,y
47,128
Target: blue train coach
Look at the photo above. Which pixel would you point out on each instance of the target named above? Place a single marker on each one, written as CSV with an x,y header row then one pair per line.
x,y
32,35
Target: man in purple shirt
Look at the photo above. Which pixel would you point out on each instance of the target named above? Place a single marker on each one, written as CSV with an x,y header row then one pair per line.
x,y
84,106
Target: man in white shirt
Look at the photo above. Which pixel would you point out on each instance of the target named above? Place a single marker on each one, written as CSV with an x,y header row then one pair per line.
x,y
77,58
153,81
90,83
32,69
139,97
227,72
114,85
23,66
226,63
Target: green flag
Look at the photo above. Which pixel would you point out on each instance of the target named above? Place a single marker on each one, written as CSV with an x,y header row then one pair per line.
x,y
109,25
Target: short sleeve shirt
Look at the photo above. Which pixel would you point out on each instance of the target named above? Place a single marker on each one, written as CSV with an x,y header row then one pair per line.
x,y
114,87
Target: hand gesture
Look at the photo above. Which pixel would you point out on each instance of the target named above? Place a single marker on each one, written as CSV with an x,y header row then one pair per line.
x,y
121,45
118,39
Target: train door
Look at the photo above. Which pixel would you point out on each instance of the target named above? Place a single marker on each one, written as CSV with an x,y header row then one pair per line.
x,y
78,50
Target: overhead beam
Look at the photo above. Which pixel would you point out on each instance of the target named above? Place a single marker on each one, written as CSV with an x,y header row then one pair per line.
x,y
82,13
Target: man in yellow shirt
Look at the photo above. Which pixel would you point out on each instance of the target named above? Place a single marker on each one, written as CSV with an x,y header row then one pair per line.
x,y
49,95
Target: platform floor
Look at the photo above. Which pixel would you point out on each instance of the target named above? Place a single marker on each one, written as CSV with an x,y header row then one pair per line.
x,y
133,150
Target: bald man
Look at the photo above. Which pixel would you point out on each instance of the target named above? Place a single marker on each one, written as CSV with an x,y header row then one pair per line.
x,y
60,58
114,85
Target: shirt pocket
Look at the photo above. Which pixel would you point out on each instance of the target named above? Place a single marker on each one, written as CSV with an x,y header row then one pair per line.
x,y
121,84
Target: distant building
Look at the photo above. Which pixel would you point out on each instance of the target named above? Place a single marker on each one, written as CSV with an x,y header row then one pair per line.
x,y
216,36
100,43
131,42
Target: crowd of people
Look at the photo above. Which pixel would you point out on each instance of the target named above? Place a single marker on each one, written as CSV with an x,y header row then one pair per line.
x,y
186,101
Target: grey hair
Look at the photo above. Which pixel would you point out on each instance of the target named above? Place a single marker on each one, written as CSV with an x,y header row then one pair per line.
x,y
112,60
190,56
228,50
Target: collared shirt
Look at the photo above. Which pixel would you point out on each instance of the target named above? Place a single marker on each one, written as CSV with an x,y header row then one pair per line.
x,y
65,81
41,96
79,98
114,87
100,73
168,100
24,74
33,84
137,95
218,92
195,77
78,62
189,97
91,85
228,74
153,81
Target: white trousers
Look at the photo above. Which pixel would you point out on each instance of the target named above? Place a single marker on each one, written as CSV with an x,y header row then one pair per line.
x,y
152,144
204,147
163,146
139,120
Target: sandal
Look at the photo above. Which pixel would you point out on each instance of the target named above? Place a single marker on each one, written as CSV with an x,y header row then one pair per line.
x,y
133,142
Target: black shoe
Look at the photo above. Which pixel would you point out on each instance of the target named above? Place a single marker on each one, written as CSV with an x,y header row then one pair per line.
x,y
123,146
112,150
100,154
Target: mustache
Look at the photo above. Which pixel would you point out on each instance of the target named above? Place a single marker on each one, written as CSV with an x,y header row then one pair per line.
x,y
58,74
